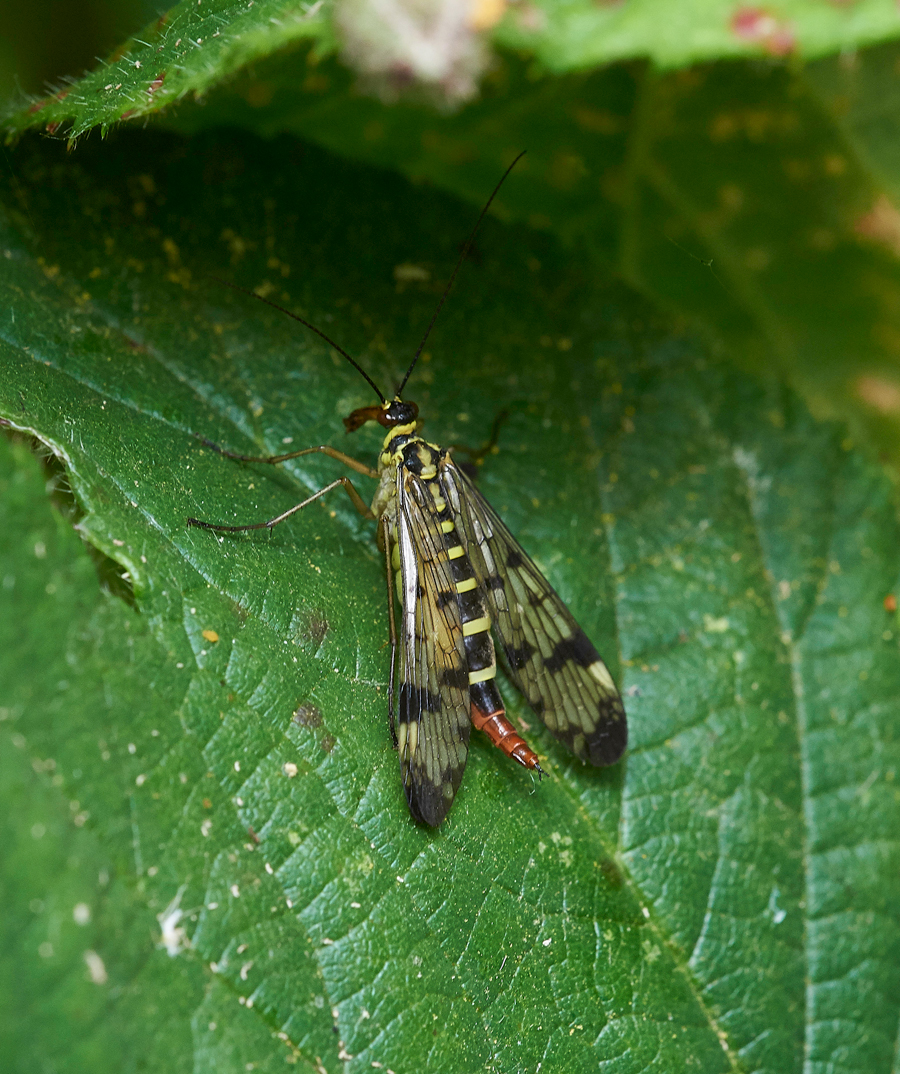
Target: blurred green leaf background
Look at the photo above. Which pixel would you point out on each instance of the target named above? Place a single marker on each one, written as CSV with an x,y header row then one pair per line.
x,y
51,39
687,296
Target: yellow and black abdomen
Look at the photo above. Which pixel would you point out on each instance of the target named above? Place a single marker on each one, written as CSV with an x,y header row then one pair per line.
x,y
487,711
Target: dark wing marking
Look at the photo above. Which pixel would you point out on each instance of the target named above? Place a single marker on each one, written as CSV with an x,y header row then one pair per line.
x,y
550,658
433,720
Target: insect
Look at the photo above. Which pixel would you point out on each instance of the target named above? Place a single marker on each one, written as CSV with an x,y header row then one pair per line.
x,y
459,574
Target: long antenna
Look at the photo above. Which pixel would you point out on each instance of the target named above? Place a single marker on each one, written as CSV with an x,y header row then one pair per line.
x,y
462,257
311,327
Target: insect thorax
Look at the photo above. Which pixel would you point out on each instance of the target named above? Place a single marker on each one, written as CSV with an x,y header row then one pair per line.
x,y
403,449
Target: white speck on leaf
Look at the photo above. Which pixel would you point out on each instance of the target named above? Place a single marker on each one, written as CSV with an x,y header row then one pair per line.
x,y
174,938
96,967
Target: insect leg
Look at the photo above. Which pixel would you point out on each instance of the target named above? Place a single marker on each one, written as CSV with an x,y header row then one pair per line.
x,y
325,449
389,574
345,482
478,455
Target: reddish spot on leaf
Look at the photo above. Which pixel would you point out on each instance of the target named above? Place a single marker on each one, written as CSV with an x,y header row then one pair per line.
x,y
162,20
879,392
308,716
156,83
63,93
881,224
890,603
759,26
128,112
53,127
37,106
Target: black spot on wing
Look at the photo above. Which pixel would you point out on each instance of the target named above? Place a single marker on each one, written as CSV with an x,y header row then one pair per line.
x,y
424,811
607,744
427,803
514,559
518,656
577,648
443,599
457,678
493,581
413,700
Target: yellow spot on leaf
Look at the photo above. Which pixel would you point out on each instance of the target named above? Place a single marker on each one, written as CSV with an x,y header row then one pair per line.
x,y
485,14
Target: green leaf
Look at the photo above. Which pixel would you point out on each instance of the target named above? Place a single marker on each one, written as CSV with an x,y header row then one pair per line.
x,y
197,46
80,974
577,34
188,50
753,201
722,899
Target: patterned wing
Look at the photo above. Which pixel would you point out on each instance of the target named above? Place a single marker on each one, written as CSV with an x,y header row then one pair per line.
x,y
550,658
433,720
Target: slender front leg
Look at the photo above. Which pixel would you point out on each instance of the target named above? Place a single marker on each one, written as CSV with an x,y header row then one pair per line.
x,y
272,460
386,536
357,500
